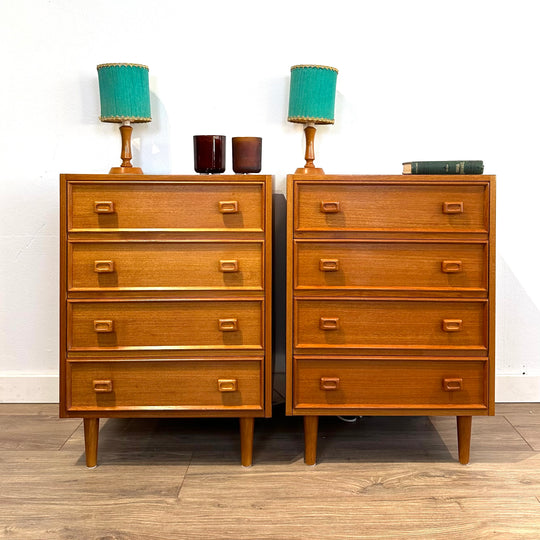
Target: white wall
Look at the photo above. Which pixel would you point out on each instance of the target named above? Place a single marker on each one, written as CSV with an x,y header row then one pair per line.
x,y
418,80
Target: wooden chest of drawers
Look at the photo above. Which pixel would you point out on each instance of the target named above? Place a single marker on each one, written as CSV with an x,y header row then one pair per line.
x,y
165,299
390,298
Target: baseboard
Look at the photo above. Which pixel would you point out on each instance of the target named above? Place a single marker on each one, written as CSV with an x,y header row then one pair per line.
x,y
29,386
42,387
517,388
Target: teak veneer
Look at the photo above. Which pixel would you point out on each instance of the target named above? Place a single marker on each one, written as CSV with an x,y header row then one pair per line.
x,y
390,298
165,299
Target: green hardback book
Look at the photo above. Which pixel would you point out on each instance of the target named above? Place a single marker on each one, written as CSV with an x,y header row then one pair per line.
x,y
444,167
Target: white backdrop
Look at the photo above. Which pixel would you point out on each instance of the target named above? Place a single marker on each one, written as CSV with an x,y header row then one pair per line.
x,y
418,79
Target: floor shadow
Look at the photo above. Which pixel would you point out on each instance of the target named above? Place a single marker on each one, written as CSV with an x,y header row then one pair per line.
x,y
279,439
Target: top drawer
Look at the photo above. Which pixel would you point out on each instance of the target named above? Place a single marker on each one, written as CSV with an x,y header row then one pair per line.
x,y
208,206
332,206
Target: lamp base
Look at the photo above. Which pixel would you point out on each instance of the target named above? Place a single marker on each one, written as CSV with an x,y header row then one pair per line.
x,y
126,170
309,170
125,166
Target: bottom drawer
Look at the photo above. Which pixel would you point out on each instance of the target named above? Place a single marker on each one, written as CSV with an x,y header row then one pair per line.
x,y
389,384
185,385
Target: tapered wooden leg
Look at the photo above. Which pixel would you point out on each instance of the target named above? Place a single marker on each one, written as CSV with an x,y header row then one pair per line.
x,y
246,440
91,430
311,426
464,438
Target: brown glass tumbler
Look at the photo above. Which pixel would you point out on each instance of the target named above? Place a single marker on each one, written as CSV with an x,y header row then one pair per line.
x,y
209,153
246,152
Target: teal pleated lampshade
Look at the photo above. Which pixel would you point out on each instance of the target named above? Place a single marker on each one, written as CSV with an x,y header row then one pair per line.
x,y
312,94
124,93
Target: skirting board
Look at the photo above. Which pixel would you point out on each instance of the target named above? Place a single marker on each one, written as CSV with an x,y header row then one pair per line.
x,y
517,388
42,387
29,386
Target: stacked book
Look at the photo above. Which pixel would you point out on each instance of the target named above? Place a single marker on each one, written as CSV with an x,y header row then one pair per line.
x,y
443,167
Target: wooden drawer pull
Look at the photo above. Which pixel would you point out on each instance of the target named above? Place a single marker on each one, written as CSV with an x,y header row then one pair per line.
x,y
103,386
103,326
227,385
329,383
329,265
452,385
228,207
228,266
103,207
452,325
104,267
228,325
451,267
330,207
329,323
452,208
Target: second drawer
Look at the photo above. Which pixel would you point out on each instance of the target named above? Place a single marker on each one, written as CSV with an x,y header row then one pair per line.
x,y
390,265
171,265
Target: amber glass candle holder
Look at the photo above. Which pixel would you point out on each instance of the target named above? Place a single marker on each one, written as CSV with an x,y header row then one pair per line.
x,y
209,153
246,152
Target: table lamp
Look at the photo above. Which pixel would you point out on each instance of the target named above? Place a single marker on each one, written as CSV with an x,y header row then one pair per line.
x,y
125,98
311,101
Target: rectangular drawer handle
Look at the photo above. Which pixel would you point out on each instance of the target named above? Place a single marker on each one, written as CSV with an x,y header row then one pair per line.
x,y
104,267
329,323
104,207
452,325
329,383
329,265
102,386
228,266
451,267
227,385
228,207
452,385
452,208
228,325
103,326
330,207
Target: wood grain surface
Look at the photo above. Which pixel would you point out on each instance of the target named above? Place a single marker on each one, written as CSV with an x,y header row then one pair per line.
x,y
161,479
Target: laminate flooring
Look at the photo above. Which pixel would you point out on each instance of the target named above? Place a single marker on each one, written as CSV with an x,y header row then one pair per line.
x,y
161,479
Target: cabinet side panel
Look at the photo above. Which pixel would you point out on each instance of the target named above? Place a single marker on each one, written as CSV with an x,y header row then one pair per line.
x,y
491,288
289,301
268,355
62,294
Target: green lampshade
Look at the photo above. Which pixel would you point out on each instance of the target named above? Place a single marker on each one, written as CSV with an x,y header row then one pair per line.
x,y
312,94
124,93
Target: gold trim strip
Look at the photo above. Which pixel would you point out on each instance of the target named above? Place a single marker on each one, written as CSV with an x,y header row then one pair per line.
x,y
122,64
307,119
314,66
135,119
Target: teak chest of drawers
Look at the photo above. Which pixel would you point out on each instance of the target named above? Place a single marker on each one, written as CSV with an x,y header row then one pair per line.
x,y
165,299
390,298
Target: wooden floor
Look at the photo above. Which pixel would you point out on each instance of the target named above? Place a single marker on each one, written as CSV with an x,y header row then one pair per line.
x,y
181,479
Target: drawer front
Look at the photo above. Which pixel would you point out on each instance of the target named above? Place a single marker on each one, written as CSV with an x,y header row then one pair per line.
x,y
390,207
179,206
390,265
390,324
164,324
375,383
169,265
215,385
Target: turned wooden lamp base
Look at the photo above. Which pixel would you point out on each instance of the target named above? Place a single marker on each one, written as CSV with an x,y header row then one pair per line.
x,y
309,170
126,167
126,170
309,167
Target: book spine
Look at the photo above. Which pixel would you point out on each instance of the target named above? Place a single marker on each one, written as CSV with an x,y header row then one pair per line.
x,y
447,167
